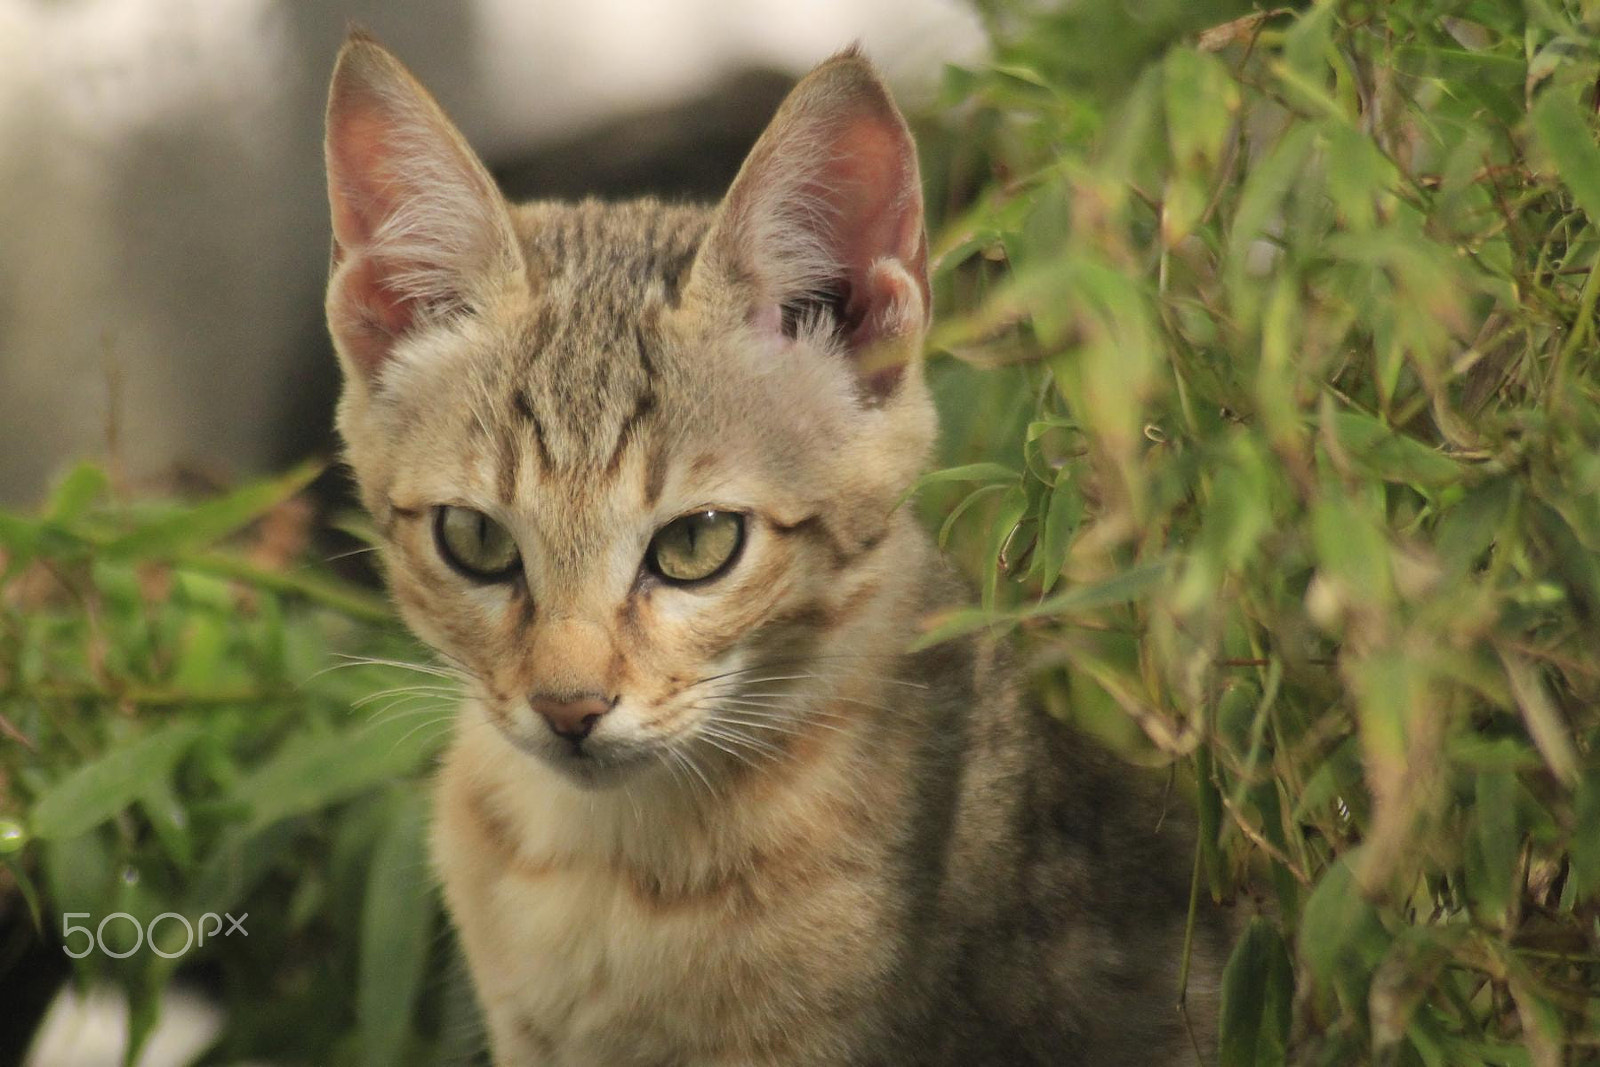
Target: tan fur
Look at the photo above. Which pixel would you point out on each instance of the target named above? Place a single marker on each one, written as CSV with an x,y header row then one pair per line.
x,y
747,871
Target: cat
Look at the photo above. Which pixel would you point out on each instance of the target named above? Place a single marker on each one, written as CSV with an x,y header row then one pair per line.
x,y
636,466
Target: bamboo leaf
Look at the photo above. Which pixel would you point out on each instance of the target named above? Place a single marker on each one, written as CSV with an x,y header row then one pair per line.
x,y
97,790
396,920
1257,995
80,488
204,524
1565,134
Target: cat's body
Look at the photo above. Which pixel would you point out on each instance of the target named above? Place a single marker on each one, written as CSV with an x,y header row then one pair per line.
x,y
702,807
955,883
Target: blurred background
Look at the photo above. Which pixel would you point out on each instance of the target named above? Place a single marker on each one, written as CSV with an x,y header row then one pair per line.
x,y
164,225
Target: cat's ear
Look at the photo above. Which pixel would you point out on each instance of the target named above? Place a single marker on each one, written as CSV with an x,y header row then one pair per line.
x,y
420,232
823,227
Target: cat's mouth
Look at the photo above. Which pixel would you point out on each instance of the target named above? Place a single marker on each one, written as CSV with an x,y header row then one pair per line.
x,y
594,762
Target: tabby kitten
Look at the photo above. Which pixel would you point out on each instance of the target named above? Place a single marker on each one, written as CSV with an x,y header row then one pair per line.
x,y
635,467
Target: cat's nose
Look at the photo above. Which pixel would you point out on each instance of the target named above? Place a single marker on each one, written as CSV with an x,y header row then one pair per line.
x,y
571,717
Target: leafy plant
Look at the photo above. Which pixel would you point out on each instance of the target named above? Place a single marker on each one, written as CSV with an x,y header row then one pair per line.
x,y
1306,485
1267,362
191,730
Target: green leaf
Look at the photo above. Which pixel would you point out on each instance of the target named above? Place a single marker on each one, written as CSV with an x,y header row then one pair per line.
x,y
971,472
1284,884
313,771
1391,456
1546,725
80,488
144,1010
1351,548
1585,845
967,502
168,818
1466,530
322,589
1257,995
234,865
1265,187
1238,515
1338,776
1182,205
396,921
1120,588
101,788
1498,839
1306,45
23,880
1201,97
19,537
1008,513
1065,512
204,524
1564,132
1359,175
1340,938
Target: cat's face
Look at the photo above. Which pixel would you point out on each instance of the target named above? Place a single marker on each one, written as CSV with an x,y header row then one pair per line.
x,y
635,464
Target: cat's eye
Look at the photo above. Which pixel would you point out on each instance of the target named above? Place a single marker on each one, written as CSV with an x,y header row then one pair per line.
x,y
475,544
696,547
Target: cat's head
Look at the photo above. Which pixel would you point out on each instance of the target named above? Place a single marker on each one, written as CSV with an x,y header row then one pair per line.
x,y
636,465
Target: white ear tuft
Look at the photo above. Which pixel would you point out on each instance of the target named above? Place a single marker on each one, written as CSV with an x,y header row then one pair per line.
x,y
419,229
826,218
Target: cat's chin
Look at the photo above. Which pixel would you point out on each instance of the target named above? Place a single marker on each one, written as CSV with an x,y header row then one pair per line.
x,y
596,770
588,772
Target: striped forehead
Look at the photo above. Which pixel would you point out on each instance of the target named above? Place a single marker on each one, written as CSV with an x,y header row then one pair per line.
x,y
577,408
582,384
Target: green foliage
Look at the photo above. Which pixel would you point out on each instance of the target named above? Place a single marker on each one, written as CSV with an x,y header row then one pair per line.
x,y
190,728
1304,481
1267,362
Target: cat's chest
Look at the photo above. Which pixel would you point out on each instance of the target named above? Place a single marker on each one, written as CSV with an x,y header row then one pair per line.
x,y
591,960
583,956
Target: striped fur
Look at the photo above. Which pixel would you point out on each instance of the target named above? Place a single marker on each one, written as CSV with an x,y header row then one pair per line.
x,y
792,842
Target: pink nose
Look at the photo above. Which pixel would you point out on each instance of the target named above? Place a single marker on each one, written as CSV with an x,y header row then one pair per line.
x,y
572,717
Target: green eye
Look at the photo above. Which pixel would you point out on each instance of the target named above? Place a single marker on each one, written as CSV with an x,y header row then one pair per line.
x,y
693,548
474,544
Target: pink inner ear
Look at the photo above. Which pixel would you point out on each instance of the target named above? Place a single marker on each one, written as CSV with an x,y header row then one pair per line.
x,y
870,182
362,175
366,190
375,315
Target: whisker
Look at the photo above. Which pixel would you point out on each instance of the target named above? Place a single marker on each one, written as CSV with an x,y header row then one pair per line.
x,y
714,743
661,755
380,694
809,721
638,816
352,552
741,721
711,730
419,727
830,697
780,661
374,661
691,765
400,710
